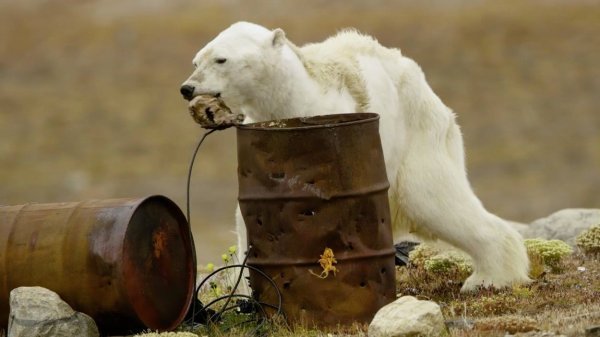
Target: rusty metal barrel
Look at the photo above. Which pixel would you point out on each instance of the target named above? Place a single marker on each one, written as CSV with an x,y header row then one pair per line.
x,y
307,184
128,263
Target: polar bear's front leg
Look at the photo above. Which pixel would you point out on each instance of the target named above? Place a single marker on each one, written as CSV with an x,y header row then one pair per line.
x,y
242,239
242,247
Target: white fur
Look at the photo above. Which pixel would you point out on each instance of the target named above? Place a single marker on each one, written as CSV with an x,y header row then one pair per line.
x,y
267,77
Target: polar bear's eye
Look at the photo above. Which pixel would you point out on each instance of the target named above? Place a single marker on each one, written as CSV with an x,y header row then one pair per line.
x,y
220,60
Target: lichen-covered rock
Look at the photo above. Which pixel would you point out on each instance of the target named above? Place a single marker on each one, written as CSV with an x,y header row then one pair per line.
x,y
550,251
589,241
39,312
408,316
449,261
437,261
563,225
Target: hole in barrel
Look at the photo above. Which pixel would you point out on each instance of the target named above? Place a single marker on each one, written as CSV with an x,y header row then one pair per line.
x,y
286,285
277,175
309,212
363,284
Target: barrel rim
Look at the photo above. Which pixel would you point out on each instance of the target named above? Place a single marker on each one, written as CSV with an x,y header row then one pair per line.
x,y
178,213
365,117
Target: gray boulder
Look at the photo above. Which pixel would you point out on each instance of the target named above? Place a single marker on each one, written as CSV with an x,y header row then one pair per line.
x,y
408,316
563,225
39,312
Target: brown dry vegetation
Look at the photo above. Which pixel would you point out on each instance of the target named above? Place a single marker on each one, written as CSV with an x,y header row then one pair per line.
x,y
565,302
89,103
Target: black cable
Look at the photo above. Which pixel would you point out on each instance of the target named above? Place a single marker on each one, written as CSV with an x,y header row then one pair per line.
x,y
187,210
279,295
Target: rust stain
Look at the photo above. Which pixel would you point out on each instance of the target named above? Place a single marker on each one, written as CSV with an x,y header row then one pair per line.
x,y
159,242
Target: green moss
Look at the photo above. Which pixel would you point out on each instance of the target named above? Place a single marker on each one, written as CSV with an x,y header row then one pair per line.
x,y
420,254
447,262
589,241
550,251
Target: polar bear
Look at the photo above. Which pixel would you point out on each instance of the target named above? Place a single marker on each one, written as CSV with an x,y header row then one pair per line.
x,y
261,74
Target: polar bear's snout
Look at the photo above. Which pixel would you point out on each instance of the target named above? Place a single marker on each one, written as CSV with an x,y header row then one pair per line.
x,y
187,91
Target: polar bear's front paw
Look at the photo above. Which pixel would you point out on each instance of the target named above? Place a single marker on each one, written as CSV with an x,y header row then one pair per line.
x,y
477,281
212,113
481,280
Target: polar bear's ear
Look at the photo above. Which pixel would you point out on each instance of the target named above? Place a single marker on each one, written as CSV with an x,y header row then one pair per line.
x,y
278,37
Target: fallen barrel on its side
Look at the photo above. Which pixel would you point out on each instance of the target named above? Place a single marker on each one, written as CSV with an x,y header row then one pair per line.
x,y
307,184
128,263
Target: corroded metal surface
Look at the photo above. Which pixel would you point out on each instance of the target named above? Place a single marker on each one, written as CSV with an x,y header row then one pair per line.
x,y
307,184
128,263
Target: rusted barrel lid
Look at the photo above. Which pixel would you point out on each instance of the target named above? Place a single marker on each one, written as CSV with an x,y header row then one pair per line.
x,y
159,263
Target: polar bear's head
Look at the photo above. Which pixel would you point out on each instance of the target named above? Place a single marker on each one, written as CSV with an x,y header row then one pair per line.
x,y
237,61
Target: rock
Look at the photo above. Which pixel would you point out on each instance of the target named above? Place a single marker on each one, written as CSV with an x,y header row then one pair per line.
x,y
39,312
462,324
408,316
563,225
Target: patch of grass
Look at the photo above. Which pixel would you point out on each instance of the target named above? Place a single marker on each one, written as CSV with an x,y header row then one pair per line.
x,y
554,296
510,323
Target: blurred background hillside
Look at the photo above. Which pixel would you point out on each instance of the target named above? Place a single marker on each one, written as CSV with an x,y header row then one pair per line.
x,y
90,104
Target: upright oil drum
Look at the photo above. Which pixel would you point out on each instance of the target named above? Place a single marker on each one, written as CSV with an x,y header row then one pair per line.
x,y
308,184
128,263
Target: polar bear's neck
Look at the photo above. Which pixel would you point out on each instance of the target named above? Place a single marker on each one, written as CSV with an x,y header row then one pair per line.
x,y
292,90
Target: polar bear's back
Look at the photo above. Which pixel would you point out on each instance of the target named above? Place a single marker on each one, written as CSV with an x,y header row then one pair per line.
x,y
346,44
334,63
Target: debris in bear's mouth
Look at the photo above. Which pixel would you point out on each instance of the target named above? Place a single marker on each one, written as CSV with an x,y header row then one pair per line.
x,y
211,112
327,262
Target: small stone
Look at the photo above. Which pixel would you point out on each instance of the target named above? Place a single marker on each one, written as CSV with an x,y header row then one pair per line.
x,y
463,324
581,269
408,316
39,312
